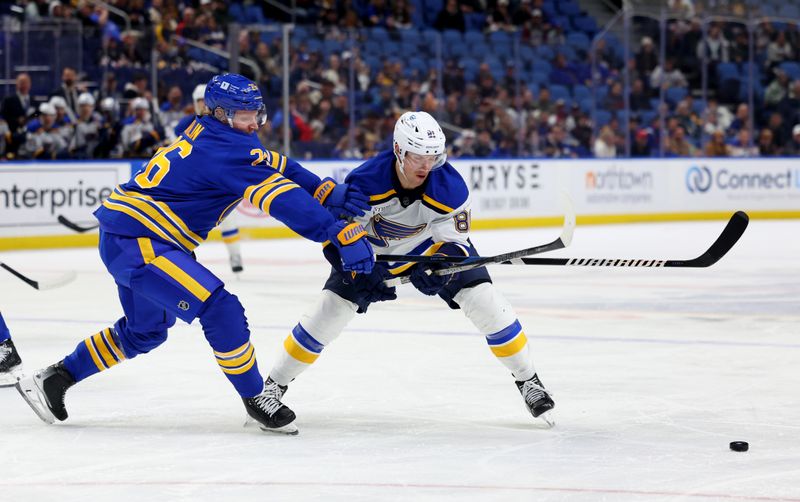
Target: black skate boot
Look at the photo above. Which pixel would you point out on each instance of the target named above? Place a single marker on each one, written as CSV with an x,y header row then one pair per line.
x,y
237,265
537,399
10,364
268,410
44,391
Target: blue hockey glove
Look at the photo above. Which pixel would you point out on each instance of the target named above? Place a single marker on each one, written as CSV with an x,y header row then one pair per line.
x,y
342,200
355,251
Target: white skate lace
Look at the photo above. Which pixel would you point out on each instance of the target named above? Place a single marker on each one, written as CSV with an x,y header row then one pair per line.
x,y
532,391
270,399
5,351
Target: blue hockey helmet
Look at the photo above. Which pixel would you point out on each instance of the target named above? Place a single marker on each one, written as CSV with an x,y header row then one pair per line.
x,y
232,92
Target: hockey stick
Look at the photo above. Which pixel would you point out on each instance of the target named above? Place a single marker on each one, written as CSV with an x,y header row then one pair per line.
x,y
65,278
470,262
74,226
726,240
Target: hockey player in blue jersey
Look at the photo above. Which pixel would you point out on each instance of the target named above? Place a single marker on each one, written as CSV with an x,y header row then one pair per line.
x,y
420,205
150,225
10,362
228,227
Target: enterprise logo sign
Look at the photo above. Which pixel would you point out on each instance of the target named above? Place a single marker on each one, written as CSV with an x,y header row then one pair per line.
x,y
700,179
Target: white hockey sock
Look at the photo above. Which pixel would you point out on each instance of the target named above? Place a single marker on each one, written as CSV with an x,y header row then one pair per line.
x,y
313,333
495,319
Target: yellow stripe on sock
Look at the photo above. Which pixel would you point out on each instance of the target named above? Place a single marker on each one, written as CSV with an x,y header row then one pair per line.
x,y
93,353
512,347
239,371
234,352
109,337
104,352
238,361
298,352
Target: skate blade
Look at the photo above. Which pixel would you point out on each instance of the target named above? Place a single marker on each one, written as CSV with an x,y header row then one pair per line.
x,y
34,396
548,418
288,429
10,379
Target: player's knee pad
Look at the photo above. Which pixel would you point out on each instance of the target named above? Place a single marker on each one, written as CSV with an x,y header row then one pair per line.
x,y
223,320
488,310
135,341
328,318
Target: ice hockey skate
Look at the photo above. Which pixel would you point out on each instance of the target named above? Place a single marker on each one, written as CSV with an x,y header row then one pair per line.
x,y
44,391
235,259
268,412
537,399
10,364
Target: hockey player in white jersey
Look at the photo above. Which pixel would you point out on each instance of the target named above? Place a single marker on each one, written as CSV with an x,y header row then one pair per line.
x,y
420,205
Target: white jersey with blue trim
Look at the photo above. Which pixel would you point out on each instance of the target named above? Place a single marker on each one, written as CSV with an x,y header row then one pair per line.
x,y
406,221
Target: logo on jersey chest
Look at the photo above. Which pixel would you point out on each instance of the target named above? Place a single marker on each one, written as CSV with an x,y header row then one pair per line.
x,y
384,230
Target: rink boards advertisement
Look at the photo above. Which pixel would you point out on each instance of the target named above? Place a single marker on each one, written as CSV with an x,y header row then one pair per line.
x,y
505,193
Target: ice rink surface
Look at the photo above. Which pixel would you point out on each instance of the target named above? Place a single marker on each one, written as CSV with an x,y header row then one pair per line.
x,y
654,372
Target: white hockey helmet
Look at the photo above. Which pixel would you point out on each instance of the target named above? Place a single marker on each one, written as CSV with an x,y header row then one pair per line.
x,y
108,104
419,133
199,93
86,99
58,102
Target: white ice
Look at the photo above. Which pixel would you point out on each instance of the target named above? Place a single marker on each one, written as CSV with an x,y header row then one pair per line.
x,y
654,372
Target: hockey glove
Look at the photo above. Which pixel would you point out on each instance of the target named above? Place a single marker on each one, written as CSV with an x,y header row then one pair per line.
x,y
428,283
355,251
342,200
370,288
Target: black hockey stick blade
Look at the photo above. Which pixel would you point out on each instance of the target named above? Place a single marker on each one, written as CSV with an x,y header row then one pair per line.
x,y
63,279
726,240
74,226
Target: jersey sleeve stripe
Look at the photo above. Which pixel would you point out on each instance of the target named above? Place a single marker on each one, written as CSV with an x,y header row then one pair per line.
x,y
436,206
169,213
402,268
252,188
155,216
268,200
144,220
262,192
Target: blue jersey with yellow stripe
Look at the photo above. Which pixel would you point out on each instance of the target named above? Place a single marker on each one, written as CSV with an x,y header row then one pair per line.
x,y
188,188
408,221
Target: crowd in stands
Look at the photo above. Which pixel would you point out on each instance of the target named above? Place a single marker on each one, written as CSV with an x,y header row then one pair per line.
x,y
506,78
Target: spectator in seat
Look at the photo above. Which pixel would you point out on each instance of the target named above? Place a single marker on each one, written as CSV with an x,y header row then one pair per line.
x,y
741,147
88,124
139,135
779,50
605,146
716,146
766,145
639,100
677,145
668,76
642,147
43,140
793,147
68,89
450,18
646,58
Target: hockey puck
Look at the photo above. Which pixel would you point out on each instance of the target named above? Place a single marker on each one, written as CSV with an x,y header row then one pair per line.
x,y
739,446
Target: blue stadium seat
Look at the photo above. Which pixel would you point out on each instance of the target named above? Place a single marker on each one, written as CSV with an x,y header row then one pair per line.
x,y
475,21
791,68
578,41
377,34
560,92
581,92
473,38
452,37
568,8
602,117
545,52
727,70
789,10
586,24
675,94
542,67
